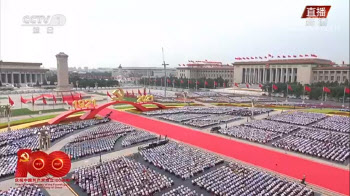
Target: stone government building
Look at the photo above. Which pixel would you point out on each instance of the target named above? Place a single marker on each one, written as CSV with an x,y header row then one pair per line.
x,y
21,73
305,71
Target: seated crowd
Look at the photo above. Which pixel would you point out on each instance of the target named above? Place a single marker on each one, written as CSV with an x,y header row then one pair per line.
x,y
211,120
230,110
103,131
179,159
11,142
298,118
120,176
272,126
181,191
316,144
238,180
25,190
90,147
181,117
96,140
251,134
340,139
335,123
137,137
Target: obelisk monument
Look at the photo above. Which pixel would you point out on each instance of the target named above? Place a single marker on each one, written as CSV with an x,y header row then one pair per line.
x,y
62,72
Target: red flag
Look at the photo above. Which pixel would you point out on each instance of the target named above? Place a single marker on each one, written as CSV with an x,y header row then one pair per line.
x,y
54,98
44,100
206,83
347,90
132,92
139,92
127,94
11,101
236,84
109,95
260,85
168,81
182,81
197,82
247,85
290,88
274,87
23,100
224,85
215,83
326,90
63,99
307,88
144,91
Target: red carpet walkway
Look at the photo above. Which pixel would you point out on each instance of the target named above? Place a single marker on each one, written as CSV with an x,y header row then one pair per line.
x,y
329,177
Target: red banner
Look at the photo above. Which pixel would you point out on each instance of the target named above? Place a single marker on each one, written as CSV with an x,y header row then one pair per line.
x,y
316,11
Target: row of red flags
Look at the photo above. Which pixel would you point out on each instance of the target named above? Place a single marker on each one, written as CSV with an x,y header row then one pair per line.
x,y
188,81
69,99
132,94
278,56
306,88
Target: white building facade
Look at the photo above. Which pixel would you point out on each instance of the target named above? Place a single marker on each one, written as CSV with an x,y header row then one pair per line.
x,y
21,73
278,71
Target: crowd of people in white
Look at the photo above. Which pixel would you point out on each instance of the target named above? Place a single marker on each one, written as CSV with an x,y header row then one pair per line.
x,y
96,140
298,118
121,176
181,191
250,134
11,142
24,190
238,180
334,123
137,137
180,160
319,143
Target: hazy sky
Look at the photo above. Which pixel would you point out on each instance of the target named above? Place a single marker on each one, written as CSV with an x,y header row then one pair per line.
x,y
111,32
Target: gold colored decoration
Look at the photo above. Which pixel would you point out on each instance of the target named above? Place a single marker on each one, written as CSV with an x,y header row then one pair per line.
x,y
144,98
119,94
82,104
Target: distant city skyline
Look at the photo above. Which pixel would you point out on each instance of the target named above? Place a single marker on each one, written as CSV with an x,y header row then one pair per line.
x,y
132,33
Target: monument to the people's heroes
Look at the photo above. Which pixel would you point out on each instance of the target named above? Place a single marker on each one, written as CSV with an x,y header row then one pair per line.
x,y
62,73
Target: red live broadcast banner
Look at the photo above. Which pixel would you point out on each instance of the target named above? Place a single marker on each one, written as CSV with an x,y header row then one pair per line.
x,y
316,11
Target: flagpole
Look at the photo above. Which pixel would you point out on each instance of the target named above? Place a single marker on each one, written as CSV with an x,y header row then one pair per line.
x,y
304,95
344,98
322,93
21,101
287,94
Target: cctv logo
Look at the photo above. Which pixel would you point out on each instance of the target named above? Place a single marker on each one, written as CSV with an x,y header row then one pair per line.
x,y
40,164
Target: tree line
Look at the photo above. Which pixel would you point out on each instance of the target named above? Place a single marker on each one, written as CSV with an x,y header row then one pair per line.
x,y
184,84
337,90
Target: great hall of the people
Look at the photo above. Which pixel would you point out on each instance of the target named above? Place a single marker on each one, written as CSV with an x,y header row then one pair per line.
x,y
305,71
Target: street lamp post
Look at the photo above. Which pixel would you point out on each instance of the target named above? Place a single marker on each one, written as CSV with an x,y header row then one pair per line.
x,y
6,111
164,64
